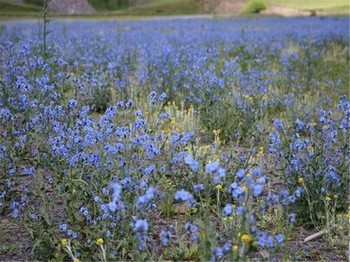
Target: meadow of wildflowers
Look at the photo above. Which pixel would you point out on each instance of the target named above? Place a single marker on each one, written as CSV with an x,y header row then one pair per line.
x,y
175,139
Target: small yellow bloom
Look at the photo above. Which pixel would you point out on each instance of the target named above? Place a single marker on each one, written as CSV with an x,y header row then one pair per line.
x,y
248,175
230,218
235,248
64,242
340,228
76,260
224,219
260,152
99,242
328,199
265,97
216,131
310,149
246,238
245,188
335,196
218,187
300,180
248,97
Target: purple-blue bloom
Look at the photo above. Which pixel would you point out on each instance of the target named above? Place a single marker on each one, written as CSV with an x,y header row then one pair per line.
x,y
191,162
185,196
228,210
212,167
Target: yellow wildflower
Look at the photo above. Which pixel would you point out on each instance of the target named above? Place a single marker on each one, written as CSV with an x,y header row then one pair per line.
x,y
246,238
64,242
235,248
245,188
99,241
300,180
260,152
310,149
218,187
328,199
248,97
76,260
216,131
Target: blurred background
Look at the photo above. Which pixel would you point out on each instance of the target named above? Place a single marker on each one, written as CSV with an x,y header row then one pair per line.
x,y
114,8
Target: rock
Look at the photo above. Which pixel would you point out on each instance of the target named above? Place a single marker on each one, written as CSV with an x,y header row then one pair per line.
x,y
71,7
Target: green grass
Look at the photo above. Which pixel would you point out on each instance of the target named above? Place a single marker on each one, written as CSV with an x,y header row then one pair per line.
x,y
8,6
254,6
165,7
325,5
9,9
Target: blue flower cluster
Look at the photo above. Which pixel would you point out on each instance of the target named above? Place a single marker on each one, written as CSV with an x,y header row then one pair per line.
x,y
119,171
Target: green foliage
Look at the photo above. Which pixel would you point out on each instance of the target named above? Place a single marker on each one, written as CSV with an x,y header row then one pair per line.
x,y
254,6
100,99
108,5
165,7
35,2
221,115
9,6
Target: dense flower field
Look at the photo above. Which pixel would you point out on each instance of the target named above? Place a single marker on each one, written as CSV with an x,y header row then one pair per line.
x,y
174,139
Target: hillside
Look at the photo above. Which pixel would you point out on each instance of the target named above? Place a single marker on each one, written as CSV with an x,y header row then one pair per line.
x,y
172,7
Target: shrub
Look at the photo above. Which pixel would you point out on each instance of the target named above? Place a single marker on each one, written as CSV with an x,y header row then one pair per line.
x,y
254,7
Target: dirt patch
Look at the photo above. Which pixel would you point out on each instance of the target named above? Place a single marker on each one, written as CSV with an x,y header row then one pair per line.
x,y
71,7
286,11
316,250
232,7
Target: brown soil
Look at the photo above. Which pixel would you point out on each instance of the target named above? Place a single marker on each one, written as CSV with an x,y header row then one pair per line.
x,y
71,6
286,11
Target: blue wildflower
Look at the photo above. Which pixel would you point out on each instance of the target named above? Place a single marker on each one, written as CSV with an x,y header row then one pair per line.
x,y
228,210
193,230
212,167
279,238
185,196
257,189
240,173
198,187
140,226
165,236
191,162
